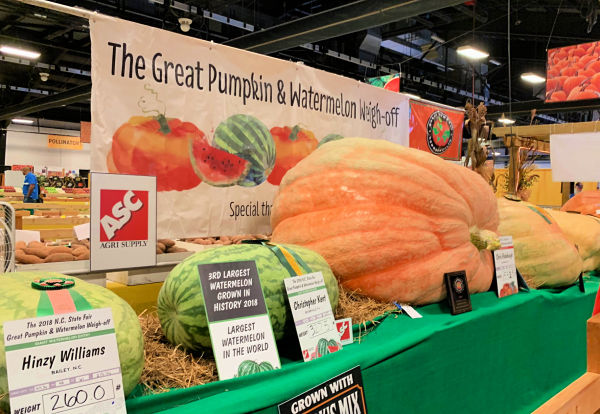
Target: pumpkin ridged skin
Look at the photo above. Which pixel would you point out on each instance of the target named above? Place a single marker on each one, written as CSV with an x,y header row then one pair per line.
x,y
585,202
389,220
20,301
584,232
543,254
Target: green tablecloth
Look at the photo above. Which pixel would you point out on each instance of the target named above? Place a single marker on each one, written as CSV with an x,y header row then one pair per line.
x,y
508,355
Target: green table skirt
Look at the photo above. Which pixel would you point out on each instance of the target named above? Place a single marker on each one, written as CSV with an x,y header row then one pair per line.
x,y
508,355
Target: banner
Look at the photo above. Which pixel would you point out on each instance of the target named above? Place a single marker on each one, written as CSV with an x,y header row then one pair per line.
x,y
436,129
19,167
64,142
218,126
570,73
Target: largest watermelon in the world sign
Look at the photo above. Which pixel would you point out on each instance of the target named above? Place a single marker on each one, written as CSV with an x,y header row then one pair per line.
x,y
19,300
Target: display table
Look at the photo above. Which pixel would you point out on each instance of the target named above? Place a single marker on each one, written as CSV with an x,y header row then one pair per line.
x,y
508,355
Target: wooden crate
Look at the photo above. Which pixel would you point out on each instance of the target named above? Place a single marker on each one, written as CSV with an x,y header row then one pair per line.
x,y
583,395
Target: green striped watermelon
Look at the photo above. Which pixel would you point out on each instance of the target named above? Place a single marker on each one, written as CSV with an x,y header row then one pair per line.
x,y
248,138
248,367
181,305
266,366
20,301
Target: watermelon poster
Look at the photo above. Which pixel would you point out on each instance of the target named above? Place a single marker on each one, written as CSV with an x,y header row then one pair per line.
x,y
436,129
219,127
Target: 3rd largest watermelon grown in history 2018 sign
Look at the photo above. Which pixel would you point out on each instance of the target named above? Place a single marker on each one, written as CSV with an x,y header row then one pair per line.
x,y
219,127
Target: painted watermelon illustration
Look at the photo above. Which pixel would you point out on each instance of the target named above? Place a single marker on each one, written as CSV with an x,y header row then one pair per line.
x,y
248,138
215,166
329,138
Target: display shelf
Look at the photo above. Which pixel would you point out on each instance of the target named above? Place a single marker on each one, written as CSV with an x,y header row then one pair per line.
x,y
508,355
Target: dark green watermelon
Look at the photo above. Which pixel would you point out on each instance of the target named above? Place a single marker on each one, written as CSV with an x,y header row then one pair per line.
x,y
181,305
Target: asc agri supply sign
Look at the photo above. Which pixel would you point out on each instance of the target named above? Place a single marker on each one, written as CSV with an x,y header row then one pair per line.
x,y
123,221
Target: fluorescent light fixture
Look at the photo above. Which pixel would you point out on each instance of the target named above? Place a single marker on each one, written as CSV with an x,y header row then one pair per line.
x,y
506,121
495,62
532,78
496,153
22,121
471,52
437,39
15,51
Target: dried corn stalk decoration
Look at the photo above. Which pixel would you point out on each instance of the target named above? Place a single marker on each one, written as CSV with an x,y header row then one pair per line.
x,y
477,151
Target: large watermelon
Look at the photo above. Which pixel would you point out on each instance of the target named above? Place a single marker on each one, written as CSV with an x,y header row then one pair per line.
x,y
181,305
20,301
248,138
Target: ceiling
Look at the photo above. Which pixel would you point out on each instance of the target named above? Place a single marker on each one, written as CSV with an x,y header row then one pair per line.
x,y
418,38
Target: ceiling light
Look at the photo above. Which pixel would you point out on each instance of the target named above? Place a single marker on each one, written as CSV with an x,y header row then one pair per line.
x,y
497,153
437,39
495,62
506,121
41,16
44,76
532,78
22,121
9,50
184,24
471,52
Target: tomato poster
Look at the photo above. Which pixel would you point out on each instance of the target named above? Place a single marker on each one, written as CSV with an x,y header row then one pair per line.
x,y
217,126
573,73
436,129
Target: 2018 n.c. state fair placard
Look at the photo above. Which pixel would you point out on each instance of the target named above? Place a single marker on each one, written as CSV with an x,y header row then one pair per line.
x,y
436,129
122,221
218,126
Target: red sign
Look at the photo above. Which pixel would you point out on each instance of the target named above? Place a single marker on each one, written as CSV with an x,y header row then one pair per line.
x,y
345,329
436,129
18,167
123,215
573,73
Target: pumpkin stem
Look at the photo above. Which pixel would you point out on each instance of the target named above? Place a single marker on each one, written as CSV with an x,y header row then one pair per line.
x,y
294,134
484,239
164,124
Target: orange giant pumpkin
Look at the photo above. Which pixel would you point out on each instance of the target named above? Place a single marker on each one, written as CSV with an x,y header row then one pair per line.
x,y
585,202
389,220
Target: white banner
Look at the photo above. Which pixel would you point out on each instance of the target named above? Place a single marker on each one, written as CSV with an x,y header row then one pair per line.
x,y
218,126
574,157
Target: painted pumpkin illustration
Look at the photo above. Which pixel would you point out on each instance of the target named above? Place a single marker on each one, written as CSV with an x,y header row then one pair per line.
x,y
292,145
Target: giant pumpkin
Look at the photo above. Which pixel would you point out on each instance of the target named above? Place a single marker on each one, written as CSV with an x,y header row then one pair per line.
x,y
543,254
389,220
584,232
585,202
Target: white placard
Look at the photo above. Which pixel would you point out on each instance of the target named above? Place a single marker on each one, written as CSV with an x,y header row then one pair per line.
x,y
27,235
64,363
240,329
122,221
411,312
82,231
311,309
506,270
574,157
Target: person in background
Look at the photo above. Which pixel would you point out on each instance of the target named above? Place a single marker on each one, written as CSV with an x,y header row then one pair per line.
x,y
30,187
578,189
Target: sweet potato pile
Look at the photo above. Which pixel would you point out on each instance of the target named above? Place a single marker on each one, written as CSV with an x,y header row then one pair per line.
x,y
38,252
